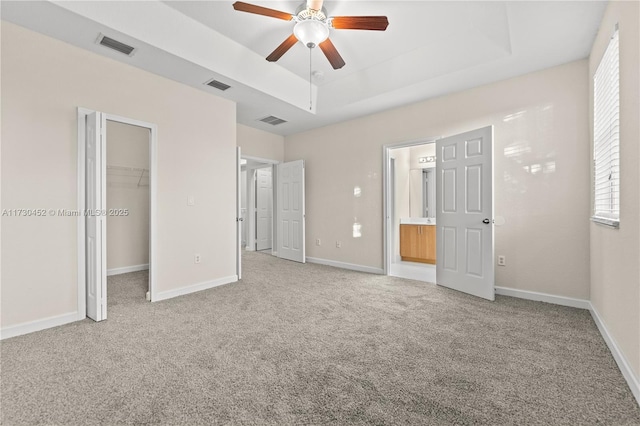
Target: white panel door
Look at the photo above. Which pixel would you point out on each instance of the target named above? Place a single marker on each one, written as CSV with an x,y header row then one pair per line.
x,y
239,218
290,199
96,236
464,218
264,209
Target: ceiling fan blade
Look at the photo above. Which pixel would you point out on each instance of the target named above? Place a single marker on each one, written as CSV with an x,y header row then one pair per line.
x,y
282,49
259,10
332,54
314,4
375,23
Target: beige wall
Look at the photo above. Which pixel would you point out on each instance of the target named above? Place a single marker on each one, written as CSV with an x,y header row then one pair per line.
x,y
260,144
43,81
541,175
127,234
615,253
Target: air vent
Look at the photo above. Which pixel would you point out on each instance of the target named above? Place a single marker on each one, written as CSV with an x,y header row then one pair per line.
x,y
115,45
274,121
217,85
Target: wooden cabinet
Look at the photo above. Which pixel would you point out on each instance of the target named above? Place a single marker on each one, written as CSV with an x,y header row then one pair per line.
x,y
418,243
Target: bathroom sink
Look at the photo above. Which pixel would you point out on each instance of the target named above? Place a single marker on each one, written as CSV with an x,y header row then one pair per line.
x,y
417,221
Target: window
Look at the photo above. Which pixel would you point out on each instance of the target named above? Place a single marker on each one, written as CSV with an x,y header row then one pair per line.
x,y
606,137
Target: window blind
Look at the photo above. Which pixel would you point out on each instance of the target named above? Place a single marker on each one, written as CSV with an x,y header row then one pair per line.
x,y
606,137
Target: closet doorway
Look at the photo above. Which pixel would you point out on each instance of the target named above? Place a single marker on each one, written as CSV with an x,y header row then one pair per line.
x,y
117,199
127,205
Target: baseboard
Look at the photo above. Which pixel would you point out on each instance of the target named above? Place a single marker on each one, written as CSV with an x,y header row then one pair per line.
x,y
37,325
344,265
163,295
544,297
127,269
623,365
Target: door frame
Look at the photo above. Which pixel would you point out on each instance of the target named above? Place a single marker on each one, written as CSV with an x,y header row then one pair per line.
x,y
387,199
81,201
239,219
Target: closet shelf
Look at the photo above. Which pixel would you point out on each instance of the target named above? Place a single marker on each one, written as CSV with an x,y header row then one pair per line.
x,y
129,173
127,169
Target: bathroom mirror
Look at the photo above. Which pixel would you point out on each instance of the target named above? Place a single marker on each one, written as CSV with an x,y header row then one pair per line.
x,y
414,181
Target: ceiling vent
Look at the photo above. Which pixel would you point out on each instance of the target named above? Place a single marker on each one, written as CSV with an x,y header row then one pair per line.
x,y
217,85
115,45
274,121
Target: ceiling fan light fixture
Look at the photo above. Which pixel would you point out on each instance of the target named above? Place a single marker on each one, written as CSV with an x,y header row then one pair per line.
x,y
311,32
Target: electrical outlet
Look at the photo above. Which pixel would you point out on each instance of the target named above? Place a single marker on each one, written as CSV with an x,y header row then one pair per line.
x,y
196,258
338,244
318,242
502,261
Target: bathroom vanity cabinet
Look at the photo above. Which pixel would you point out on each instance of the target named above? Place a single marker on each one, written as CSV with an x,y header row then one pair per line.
x,y
418,243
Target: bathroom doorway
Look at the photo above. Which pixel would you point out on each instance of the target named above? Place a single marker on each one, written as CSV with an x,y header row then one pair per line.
x,y
410,183
459,239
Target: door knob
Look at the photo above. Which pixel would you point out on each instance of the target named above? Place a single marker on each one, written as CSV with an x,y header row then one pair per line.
x,y
486,221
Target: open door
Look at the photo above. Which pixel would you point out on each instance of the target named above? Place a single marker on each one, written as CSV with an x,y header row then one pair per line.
x,y
96,240
264,208
238,213
291,213
464,239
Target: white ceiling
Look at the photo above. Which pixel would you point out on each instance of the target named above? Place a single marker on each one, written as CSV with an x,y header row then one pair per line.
x,y
430,48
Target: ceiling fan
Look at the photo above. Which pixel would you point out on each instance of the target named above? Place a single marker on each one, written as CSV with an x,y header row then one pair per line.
x,y
313,26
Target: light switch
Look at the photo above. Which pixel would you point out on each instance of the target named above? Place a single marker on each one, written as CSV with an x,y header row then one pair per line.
x,y
191,201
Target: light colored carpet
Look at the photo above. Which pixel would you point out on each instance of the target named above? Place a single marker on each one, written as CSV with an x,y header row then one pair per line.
x,y
310,344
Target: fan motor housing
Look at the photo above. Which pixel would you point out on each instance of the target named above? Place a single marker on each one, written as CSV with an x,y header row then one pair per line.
x,y
303,13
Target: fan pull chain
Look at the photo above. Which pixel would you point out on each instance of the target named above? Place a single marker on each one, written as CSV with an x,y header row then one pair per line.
x,y
310,90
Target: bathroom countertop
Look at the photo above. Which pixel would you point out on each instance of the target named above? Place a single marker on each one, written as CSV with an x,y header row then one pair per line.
x,y
417,221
